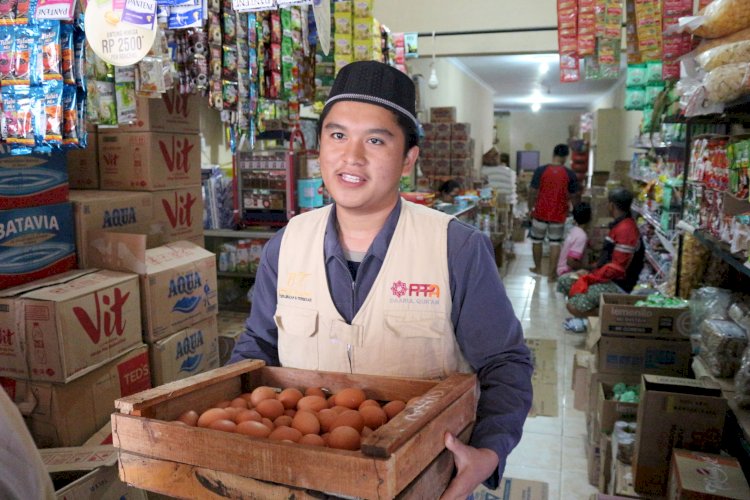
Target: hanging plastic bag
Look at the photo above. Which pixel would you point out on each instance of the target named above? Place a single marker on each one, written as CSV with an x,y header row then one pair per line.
x,y
727,82
733,53
720,18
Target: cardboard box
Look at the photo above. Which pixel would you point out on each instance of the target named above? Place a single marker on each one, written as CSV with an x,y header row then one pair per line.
x,y
67,414
674,413
149,161
230,325
620,316
441,148
594,461
605,463
180,212
33,180
460,131
544,378
443,114
73,326
36,242
442,131
97,210
660,356
610,411
513,489
178,280
582,360
622,476
462,167
461,149
87,473
173,112
83,165
703,476
429,130
192,350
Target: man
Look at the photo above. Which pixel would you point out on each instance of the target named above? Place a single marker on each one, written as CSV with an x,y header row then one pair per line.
x,y
368,284
551,191
619,265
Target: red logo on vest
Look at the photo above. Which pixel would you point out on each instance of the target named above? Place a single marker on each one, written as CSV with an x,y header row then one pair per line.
x,y
431,290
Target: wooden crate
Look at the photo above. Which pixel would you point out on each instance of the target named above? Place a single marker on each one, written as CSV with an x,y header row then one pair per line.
x,y
406,457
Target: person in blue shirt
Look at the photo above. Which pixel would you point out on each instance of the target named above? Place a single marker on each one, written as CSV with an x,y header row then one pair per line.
x,y
374,284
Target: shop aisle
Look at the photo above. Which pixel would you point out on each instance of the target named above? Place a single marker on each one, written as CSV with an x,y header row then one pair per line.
x,y
552,448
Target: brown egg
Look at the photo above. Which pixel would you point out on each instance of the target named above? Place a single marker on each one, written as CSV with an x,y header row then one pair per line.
x,y
289,397
374,416
190,418
369,402
239,403
232,411
285,433
331,401
270,408
315,391
340,409
223,425
283,421
393,408
261,393
268,423
253,428
247,396
350,397
245,415
349,418
210,415
291,413
306,422
312,440
312,403
223,404
326,418
344,438
325,437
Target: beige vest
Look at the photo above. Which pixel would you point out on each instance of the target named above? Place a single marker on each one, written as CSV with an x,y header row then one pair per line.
x,y
403,328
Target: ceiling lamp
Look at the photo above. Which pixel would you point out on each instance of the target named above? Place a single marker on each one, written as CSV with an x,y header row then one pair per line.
x,y
536,107
433,82
543,68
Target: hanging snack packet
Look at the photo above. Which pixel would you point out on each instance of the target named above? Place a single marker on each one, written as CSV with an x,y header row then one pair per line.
x,y
125,94
229,95
70,116
51,52
229,63
7,12
21,117
229,27
82,110
24,55
67,53
23,12
106,104
6,52
53,112
79,57
151,76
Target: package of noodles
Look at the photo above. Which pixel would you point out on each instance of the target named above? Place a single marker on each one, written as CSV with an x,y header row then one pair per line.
x,y
720,18
732,53
712,43
727,82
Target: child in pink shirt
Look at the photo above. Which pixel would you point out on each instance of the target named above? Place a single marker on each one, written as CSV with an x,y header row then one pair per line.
x,y
574,247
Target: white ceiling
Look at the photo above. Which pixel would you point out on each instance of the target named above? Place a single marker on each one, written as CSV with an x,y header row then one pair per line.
x,y
517,82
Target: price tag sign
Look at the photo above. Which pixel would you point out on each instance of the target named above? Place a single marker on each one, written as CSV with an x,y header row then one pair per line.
x,y
253,5
117,41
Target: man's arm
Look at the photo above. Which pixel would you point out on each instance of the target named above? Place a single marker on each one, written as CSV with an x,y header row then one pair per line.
x,y
536,181
491,339
260,339
575,190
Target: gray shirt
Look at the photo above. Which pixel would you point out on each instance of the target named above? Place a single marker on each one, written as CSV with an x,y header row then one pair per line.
x,y
486,328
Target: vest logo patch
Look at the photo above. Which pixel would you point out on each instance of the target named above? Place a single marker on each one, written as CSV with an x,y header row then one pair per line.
x,y
296,287
420,293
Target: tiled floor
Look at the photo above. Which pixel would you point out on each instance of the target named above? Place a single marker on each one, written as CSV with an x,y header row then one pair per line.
x,y
552,448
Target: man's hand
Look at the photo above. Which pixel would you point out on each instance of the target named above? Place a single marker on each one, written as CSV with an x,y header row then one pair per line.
x,y
473,466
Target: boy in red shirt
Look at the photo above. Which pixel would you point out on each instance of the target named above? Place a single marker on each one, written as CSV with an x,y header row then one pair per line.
x,y
551,192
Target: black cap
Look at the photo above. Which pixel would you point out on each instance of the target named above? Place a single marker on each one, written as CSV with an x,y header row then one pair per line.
x,y
375,83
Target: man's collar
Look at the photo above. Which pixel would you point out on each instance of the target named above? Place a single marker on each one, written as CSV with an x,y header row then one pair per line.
x,y
619,219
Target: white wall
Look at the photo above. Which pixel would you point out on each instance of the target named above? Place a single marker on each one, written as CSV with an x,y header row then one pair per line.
x,y
214,148
502,132
540,131
473,101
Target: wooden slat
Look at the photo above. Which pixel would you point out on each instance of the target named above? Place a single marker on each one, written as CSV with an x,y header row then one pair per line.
x,y
388,438
172,390
376,387
433,481
336,471
198,483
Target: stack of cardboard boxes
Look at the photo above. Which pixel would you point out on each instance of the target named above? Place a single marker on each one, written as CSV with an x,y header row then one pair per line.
x,y
447,149
648,347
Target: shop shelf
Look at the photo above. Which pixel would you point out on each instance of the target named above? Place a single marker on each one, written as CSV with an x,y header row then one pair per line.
x,y
664,238
232,274
717,250
230,233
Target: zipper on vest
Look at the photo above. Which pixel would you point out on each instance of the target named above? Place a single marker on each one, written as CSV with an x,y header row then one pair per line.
x,y
349,346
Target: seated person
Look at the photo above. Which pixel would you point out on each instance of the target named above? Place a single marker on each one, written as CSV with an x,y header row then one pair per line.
x,y
449,190
620,263
574,246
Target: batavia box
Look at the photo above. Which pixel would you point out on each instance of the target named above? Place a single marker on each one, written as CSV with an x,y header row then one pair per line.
x,y
12,339
67,414
178,280
96,210
73,326
173,112
405,456
703,476
192,350
149,161
179,212
83,165
674,413
33,180
36,242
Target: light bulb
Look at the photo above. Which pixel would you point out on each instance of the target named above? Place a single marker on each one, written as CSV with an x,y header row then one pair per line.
x,y
536,107
433,81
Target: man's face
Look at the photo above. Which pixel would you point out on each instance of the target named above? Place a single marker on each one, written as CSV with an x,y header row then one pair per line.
x,y
362,157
